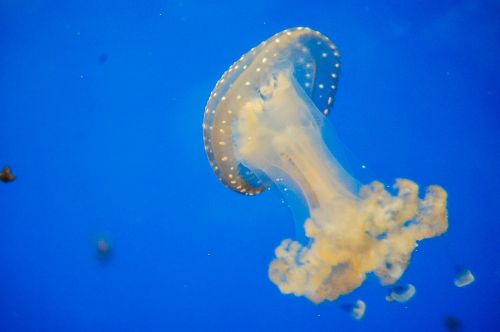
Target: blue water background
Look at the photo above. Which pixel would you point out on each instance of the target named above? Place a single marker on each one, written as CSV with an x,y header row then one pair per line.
x,y
101,105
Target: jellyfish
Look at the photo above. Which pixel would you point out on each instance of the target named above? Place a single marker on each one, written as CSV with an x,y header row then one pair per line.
x,y
403,293
265,125
464,277
6,175
357,310
103,250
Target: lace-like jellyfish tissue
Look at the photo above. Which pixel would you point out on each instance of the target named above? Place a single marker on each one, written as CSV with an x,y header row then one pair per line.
x,y
265,123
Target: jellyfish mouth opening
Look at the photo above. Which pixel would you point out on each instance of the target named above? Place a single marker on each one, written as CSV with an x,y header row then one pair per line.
x,y
352,230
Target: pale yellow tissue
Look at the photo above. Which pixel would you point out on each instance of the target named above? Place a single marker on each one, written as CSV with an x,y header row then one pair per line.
x,y
404,294
358,310
352,232
464,278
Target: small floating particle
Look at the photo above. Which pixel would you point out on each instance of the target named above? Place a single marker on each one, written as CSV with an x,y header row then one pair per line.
x,y
6,175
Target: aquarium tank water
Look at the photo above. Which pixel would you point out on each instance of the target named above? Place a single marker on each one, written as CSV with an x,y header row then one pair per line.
x,y
249,166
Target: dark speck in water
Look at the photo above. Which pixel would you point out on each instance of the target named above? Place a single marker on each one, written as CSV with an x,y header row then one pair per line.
x,y
103,58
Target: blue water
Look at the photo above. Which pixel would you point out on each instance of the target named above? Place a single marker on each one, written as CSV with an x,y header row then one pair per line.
x,y
101,109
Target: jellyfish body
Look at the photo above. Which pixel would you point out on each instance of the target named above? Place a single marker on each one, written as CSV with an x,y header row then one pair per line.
x,y
103,250
357,310
403,293
464,277
265,124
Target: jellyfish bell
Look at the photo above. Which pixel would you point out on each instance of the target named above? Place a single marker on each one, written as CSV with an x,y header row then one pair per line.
x,y
310,57
357,309
103,249
265,123
401,293
463,277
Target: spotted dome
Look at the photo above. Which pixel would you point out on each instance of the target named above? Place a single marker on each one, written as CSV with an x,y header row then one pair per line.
x,y
315,64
